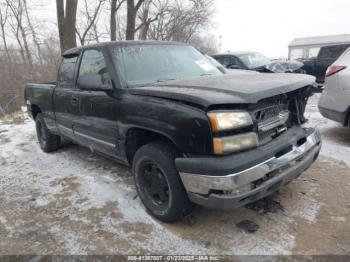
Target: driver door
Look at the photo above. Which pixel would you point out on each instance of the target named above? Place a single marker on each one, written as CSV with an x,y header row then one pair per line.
x,y
96,125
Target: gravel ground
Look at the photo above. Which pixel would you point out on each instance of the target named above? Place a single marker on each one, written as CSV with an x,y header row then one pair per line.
x,y
75,202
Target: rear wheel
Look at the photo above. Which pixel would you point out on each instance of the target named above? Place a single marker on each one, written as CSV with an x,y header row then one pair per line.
x,y
158,183
48,142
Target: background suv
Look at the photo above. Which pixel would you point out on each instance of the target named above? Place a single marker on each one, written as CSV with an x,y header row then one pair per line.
x,y
335,100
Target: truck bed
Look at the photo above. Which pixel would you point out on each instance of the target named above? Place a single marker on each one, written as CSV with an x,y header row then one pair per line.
x,y
41,96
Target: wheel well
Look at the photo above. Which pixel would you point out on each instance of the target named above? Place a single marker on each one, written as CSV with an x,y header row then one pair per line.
x,y
35,111
137,137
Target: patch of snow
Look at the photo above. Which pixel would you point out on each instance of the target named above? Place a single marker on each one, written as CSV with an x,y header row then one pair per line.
x,y
306,208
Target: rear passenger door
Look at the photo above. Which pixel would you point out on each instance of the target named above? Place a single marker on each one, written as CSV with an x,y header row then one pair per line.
x,y
64,98
96,125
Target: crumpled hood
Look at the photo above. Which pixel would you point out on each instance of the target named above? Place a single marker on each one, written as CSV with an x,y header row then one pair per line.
x,y
290,66
226,89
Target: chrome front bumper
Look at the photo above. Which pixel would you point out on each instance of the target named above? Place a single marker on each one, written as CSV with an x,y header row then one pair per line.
x,y
278,169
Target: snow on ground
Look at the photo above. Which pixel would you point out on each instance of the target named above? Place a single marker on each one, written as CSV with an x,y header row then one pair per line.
x,y
75,202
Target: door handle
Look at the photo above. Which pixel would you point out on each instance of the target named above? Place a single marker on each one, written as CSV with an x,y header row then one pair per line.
x,y
74,100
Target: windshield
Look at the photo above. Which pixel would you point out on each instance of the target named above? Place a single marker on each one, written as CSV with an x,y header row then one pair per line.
x,y
254,60
146,64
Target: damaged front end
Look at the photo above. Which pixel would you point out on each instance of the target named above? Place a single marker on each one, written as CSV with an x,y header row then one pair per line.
x,y
277,114
285,149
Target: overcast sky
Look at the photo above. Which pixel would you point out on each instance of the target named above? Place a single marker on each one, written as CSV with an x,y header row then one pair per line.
x,y
268,26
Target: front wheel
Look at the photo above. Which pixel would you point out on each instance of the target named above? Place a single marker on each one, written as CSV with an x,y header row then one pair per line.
x,y
48,142
158,183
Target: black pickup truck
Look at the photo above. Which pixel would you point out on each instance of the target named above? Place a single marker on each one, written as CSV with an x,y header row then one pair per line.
x,y
191,133
317,66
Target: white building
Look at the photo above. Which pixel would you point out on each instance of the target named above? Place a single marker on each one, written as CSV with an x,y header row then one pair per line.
x,y
307,47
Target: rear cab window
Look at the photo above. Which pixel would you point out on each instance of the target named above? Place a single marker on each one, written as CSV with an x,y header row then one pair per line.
x,y
66,72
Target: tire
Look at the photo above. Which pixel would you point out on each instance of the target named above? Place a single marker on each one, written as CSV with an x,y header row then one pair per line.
x,y
48,142
158,183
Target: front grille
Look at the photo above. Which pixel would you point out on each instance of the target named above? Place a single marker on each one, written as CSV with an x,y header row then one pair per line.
x,y
271,117
269,113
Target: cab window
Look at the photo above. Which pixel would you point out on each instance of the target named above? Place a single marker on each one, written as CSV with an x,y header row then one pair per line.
x,y
66,72
92,63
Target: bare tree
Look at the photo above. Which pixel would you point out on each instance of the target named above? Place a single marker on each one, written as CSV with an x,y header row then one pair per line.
x,y
146,19
131,18
115,6
180,20
66,18
91,21
18,28
205,43
3,21
32,30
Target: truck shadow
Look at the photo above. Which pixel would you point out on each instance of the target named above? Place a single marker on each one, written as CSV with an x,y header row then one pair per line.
x,y
338,134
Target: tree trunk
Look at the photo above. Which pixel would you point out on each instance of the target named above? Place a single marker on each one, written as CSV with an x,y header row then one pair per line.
x,y
5,43
66,18
3,19
26,47
113,25
131,18
144,20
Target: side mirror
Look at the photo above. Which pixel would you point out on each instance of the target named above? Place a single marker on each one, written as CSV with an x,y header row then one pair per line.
x,y
94,82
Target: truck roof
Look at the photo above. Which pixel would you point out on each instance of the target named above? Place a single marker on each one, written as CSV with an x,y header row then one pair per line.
x,y
76,50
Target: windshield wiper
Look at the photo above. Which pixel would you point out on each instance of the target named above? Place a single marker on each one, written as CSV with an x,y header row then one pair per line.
x,y
164,80
206,74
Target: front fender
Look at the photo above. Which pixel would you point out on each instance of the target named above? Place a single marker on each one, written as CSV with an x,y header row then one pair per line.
x,y
186,126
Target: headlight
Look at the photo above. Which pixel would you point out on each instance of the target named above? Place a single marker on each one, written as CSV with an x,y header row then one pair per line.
x,y
224,145
226,120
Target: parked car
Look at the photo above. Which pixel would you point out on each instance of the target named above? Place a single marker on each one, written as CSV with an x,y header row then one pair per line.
x,y
335,100
317,66
258,62
228,70
189,132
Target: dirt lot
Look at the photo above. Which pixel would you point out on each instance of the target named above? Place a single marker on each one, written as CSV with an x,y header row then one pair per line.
x,y
76,202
